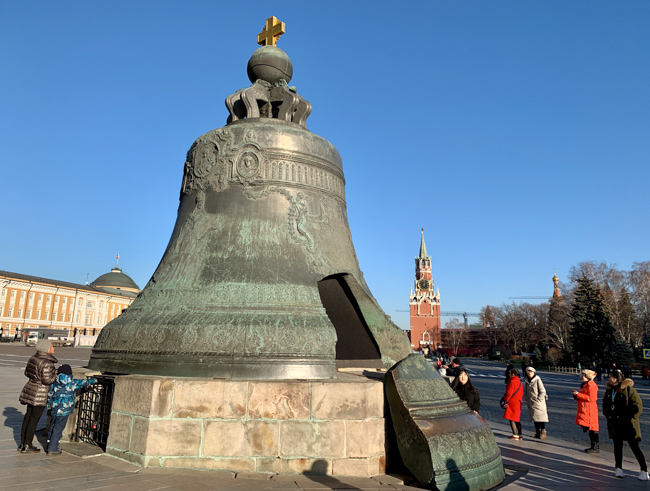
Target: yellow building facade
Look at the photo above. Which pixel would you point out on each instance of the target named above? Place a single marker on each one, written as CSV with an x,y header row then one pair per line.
x,y
32,302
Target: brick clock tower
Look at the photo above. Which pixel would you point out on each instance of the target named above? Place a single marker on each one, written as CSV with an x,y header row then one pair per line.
x,y
424,305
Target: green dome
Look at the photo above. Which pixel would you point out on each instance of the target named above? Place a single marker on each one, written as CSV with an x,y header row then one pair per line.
x,y
116,279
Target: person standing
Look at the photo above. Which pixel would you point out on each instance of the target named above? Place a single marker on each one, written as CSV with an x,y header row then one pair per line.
x,y
622,407
511,402
454,368
466,391
587,416
41,373
536,401
61,400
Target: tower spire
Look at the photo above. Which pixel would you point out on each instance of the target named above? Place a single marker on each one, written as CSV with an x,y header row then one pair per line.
x,y
423,247
556,289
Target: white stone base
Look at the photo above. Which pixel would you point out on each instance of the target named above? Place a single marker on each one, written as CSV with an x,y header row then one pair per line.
x,y
332,427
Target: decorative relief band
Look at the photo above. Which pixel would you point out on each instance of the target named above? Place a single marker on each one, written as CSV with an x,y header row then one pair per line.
x,y
305,174
216,161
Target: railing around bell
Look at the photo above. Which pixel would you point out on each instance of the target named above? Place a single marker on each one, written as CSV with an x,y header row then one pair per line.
x,y
94,412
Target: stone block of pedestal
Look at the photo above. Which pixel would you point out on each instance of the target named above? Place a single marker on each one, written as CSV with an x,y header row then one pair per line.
x,y
333,427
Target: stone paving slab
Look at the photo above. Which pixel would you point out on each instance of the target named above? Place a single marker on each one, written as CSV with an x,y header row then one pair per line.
x,y
556,465
530,464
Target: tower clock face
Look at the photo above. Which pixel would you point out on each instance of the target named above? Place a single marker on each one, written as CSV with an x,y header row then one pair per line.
x,y
423,284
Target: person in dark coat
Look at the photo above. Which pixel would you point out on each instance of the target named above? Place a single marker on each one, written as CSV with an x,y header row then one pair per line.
x,y
41,373
466,391
622,407
454,368
511,402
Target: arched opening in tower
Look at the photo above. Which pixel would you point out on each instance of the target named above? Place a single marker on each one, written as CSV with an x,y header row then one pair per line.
x,y
355,346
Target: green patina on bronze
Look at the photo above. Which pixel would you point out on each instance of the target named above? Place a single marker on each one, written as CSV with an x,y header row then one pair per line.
x,y
441,441
262,220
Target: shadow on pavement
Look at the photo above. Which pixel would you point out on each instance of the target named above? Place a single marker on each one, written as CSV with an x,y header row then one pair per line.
x,y
13,420
316,474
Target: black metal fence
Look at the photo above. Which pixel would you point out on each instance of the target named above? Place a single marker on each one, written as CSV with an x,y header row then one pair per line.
x,y
94,412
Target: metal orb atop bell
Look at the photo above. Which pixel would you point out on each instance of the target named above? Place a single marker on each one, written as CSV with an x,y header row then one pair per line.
x,y
260,279
271,64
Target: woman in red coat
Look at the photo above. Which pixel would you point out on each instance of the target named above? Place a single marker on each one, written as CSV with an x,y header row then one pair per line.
x,y
587,416
511,401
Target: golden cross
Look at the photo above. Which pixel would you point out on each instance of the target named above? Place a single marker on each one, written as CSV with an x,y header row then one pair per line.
x,y
271,32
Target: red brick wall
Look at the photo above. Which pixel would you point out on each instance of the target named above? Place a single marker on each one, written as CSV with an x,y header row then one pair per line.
x,y
428,320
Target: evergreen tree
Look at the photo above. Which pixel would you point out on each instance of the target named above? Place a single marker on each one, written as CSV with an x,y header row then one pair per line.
x,y
592,331
622,352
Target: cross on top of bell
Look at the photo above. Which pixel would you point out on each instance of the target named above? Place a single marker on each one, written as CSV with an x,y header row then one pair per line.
x,y
271,32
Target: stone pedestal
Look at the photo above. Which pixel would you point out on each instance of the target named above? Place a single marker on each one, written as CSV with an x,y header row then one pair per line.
x,y
333,427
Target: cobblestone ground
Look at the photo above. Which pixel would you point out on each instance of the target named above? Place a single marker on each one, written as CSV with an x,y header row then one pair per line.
x,y
488,377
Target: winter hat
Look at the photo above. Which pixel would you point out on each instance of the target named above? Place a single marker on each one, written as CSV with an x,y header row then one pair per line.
x,y
531,369
590,374
66,369
43,345
617,375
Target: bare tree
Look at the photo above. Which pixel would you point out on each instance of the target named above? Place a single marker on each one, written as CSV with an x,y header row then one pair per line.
x,y
628,326
510,322
457,335
489,322
558,327
640,288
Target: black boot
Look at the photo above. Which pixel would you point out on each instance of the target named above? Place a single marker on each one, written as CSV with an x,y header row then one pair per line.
x,y
595,448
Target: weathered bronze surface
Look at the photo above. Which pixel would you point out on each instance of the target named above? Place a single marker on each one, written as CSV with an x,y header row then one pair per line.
x,y
262,220
441,441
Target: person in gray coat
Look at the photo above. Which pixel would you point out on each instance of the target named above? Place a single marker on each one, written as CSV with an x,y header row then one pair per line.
x,y
536,401
41,373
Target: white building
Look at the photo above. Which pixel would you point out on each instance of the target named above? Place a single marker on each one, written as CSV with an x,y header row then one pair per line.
x,y
29,302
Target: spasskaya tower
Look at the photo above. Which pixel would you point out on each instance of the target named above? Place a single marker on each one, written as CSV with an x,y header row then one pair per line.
x,y
424,304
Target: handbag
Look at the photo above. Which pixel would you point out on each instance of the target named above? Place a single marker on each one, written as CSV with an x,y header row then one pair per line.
x,y
503,403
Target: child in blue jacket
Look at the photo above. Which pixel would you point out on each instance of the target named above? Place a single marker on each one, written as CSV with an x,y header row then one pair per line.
x,y
60,400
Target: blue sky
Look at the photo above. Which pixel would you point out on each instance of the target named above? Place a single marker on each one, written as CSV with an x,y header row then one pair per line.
x,y
516,133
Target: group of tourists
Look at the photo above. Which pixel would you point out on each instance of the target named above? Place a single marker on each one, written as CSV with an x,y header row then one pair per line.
x,y
48,387
621,407
536,397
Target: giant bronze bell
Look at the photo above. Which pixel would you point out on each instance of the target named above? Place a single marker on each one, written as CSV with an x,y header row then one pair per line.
x,y
260,281
260,278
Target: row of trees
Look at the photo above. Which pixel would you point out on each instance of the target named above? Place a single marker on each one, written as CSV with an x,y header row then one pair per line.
x,y
601,314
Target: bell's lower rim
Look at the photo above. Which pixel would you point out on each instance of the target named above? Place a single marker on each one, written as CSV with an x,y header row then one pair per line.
x,y
208,365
